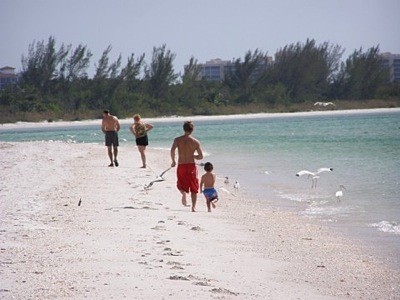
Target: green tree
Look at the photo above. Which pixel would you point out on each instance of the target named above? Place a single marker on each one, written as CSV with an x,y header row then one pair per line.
x,y
131,71
39,68
160,73
306,70
361,75
245,75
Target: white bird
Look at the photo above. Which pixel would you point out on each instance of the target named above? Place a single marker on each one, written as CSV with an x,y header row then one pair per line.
x,y
314,175
158,179
226,181
236,186
324,104
339,194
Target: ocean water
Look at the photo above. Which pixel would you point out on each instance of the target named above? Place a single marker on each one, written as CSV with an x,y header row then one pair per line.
x,y
264,154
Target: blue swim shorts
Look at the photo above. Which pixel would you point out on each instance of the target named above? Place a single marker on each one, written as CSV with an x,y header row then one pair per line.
x,y
211,194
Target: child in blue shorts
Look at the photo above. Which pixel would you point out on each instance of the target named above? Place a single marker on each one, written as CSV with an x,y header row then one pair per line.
x,y
207,186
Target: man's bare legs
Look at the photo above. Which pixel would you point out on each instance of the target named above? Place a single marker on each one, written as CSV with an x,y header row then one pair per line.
x,y
184,202
112,155
115,155
194,200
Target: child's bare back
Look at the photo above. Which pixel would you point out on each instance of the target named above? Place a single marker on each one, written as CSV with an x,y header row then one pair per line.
x,y
207,186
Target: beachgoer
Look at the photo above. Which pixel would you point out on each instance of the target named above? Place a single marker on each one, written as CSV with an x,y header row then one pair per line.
x,y
207,183
110,126
139,130
189,150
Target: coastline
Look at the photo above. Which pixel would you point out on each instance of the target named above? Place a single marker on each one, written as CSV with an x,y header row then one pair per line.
x,y
123,241
168,119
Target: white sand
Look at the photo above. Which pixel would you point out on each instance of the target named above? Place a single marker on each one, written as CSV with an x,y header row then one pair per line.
x,y
124,242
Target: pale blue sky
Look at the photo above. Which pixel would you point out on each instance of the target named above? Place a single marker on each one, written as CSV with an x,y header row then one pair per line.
x,y
204,29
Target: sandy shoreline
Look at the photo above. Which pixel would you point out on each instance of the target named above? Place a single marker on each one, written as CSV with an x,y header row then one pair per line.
x,y
124,242
167,119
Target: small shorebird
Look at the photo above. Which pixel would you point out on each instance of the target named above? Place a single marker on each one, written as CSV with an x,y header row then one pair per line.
x,y
314,175
339,194
226,181
236,186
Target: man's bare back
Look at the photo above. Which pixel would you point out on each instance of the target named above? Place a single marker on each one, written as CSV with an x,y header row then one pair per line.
x,y
110,123
187,146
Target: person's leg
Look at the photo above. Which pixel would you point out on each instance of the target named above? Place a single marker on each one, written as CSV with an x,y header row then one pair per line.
x,y
184,202
213,203
116,155
194,200
110,155
208,204
142,155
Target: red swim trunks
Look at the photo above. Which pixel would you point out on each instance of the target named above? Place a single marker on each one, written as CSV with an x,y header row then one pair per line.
x,y
187,178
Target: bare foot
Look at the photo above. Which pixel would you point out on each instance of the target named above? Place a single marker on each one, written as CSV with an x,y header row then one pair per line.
x,y
193,210
184,203
143,167
213,203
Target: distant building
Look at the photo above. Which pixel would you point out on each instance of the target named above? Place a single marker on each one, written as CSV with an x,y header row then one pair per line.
x,y
217,69
392,62
7,77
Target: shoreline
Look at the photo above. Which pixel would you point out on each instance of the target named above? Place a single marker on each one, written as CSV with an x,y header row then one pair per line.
x,y
124,241
168,119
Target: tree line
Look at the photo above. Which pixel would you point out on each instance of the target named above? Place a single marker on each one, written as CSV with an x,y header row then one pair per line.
x,y
54,81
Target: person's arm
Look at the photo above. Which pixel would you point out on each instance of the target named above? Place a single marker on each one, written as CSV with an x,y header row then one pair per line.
x,y
133,129
173,148
201,184
103,125
118,127
199,155
149,127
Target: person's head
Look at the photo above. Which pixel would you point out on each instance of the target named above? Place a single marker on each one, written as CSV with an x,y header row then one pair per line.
x,y
188,127
136,118
208,167
106,112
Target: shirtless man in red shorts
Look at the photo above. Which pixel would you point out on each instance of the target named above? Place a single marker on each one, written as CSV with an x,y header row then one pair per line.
x,y
189,150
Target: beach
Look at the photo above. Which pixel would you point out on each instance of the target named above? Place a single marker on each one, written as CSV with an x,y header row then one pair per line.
x,y
123,242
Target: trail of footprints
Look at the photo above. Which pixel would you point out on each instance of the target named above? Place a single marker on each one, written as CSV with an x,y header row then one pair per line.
x,y
174,259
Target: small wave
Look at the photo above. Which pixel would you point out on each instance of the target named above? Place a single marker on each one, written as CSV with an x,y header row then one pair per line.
x,y
385,226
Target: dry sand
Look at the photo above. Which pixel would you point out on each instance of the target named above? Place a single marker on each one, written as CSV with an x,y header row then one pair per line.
x,y
126,243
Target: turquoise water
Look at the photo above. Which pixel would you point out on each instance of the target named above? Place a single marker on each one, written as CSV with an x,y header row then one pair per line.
x,y
265,153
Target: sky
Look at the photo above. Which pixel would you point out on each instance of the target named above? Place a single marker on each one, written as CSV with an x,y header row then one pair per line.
x,y
203,29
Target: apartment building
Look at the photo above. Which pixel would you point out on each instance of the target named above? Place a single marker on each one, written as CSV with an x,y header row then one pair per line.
x,y
217,69
392,62
7,76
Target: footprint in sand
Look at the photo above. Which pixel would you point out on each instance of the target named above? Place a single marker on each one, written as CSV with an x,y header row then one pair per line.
x,y
196,228
223,291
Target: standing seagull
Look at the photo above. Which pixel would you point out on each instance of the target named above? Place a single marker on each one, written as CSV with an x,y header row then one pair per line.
x,y
314,175
339,194
236,186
